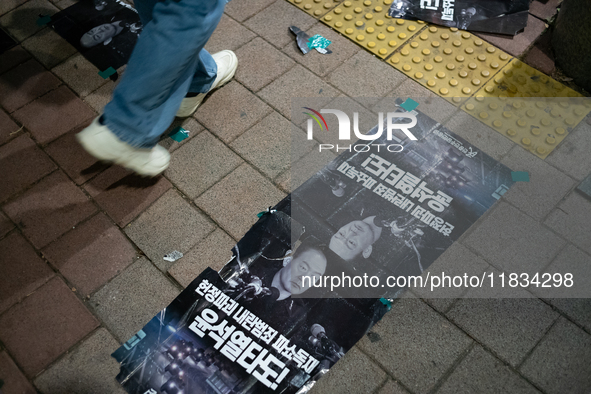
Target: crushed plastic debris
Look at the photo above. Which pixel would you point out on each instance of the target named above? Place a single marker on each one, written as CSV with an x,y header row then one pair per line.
x,y
307,43
173,256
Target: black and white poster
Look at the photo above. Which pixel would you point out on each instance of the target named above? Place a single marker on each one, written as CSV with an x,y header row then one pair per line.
x,y
489,16
103,31
385,213
258,326
214,339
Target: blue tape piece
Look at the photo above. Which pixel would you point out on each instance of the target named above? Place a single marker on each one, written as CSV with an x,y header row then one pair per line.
x,y
107,73
520,176
43,20
179,134
386,302
409,104
317,41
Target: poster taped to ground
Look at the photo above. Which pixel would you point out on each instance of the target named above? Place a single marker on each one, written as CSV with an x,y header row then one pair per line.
x,y
488,16
257,326
103,31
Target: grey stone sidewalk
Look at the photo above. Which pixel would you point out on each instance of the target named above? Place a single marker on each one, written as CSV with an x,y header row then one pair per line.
x,y
81,244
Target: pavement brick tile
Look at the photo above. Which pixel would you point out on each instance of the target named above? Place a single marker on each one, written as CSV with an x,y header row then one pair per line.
x,y
244,188
5,225
8,5
544,9
22,163
14,382
572,219
297,82
231,110
541,55
241,11
320,64
213,252
22,270
480,135
21,22
54,114
129,301
273,24
13,57
429,103
190,125
91,254
170,224
304,168
49,209
229,35
100,97
272,144
546,186
456,260
418,346
574,261
517,44
73,159
540,59
88,369
576,309
63,4
392,387
7,128
124,195
353,77
561,363
80,75
354,373
572,155
25,83
44,326
48,47
481,372
254,73
510,327
200,163
513,241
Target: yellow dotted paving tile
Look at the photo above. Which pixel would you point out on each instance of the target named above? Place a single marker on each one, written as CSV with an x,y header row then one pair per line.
x,y
530,108
316,8
452,63
366,22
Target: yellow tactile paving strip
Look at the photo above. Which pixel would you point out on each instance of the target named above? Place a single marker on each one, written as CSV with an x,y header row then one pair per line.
x,y
488,83
366,23
528,107
452,63
316,8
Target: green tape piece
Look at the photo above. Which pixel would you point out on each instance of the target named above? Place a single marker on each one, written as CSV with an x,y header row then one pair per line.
x,y
179,134
107,73
409,104
520,176
43,20
318,42
386,302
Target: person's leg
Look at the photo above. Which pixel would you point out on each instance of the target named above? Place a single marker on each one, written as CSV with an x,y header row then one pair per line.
x,y
167,60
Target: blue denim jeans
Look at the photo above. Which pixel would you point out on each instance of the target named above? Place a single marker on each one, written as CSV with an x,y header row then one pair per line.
x,y
167,62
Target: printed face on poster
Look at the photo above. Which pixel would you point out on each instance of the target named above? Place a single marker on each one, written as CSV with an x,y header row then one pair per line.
x,y
258,327
103,31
